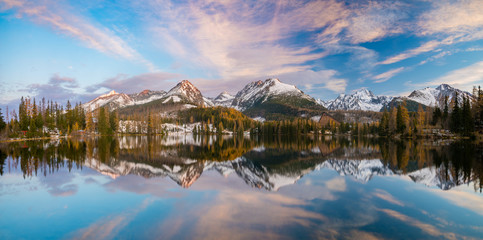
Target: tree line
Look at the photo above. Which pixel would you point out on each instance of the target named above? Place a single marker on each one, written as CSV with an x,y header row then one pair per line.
x,y
45,118
457,117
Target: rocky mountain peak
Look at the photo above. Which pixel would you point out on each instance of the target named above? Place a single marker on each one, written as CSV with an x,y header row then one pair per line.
x,y
444,87
186,91
145,92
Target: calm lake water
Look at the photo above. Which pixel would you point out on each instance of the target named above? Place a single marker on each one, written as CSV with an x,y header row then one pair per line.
x,y
189,187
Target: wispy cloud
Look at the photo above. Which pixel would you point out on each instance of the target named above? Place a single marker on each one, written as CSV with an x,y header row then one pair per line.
x,y
375,20
58,80
238,39
62,19
326,79
131,84
57,89
463,16
449,52
463,78
451,21
387,75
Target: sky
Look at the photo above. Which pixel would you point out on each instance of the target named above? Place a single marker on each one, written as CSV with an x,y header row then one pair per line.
x,y
76,50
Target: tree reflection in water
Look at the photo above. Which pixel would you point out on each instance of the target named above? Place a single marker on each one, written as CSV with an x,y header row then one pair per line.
x,y
258,161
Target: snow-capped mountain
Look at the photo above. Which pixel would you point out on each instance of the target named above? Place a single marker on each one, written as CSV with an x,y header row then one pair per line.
x,y
435,96
112,100
224,99
184,92
362,99
261,91
323,103
257,94
146,96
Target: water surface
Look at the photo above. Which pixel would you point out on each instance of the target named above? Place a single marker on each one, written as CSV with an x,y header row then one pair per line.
x,y
185,187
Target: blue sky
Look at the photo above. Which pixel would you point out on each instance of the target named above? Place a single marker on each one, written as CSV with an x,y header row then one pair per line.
x,y
79,49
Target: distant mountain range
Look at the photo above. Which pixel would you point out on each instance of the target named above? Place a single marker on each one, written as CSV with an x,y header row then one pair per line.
x,y
272,98
266,99
362,99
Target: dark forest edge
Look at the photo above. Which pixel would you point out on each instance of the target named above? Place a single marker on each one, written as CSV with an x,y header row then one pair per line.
x,y
51,119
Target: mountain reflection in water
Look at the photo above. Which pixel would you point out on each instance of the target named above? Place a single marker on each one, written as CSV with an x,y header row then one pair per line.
x,y
262,163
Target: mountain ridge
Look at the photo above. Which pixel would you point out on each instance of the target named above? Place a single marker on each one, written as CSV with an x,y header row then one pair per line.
x,y
273,98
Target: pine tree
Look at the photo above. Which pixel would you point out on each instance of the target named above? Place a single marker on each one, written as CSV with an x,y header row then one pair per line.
x,y
2,121
399,120
89,122
467,117
444,119
24,119
102,122
383,125
393,121
437,115
420,119
113,121
219,129
456,123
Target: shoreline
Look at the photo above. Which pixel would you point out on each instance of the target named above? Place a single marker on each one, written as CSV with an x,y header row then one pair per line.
x,y
426,137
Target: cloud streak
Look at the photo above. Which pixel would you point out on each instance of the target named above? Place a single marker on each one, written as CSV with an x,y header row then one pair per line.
x,y
387,75
451,21
464,78
131,84
60,19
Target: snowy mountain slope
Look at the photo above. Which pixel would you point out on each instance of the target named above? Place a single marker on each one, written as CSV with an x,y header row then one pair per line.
x,y
271,98
146,96
362,99
224,99
435,96
112,100
186,92
261,91
323,103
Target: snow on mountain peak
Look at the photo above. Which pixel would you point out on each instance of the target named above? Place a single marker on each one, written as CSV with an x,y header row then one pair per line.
x,y
435,96
183,87
112,99
361,99
185,90
111,93
444,87
260,91
224,96
363,93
